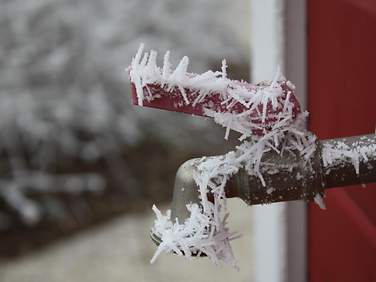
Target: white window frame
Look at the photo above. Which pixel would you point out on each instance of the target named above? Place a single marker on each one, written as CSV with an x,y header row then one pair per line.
x,y
278,38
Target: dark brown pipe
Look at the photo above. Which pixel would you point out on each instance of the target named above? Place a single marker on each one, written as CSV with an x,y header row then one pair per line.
x,y
290,177
344,174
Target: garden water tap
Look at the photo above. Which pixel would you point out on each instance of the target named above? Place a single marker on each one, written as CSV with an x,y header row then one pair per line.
x,y
335,163
290,179
278,160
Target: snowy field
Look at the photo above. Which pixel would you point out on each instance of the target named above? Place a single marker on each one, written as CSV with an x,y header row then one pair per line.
x,y
120,251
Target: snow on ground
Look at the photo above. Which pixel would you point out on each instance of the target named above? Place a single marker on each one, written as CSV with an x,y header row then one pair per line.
x,y
121,251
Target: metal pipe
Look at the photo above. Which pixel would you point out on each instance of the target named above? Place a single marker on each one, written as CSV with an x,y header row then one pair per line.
x,y
335,163
289,177
343,172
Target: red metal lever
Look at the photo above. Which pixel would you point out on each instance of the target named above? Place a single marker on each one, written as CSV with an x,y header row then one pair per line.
x,y
160,97
255,109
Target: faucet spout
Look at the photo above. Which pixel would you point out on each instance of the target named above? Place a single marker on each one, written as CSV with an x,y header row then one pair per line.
x,y
185,190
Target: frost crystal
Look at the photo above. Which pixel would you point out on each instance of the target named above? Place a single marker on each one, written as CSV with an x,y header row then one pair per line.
x,y
335,153
267,116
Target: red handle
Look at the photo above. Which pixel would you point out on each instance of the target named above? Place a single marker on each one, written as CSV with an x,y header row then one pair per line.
x,y
156,96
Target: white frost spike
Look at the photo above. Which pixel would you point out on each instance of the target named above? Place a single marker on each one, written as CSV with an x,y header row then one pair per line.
x,y
179,76
144,60
179,73
166,68
137,58
152,64
136,75
276,77
224,68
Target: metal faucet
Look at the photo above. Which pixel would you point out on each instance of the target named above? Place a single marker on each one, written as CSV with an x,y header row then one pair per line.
x,y
292,182
286,176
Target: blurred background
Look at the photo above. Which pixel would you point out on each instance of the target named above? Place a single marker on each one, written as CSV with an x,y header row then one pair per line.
x,y
80,166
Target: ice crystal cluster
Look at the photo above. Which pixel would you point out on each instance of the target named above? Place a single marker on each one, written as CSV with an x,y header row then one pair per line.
x,y
270,119
336,152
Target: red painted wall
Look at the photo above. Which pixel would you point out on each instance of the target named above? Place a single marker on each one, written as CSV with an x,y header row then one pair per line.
x,y
342,101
